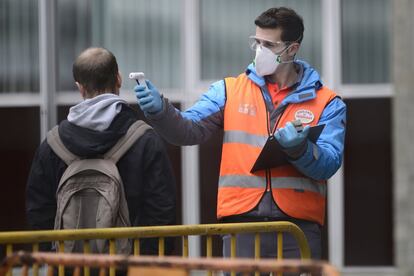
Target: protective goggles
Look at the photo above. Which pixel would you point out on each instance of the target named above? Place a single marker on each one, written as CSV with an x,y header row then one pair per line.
x,y
254,42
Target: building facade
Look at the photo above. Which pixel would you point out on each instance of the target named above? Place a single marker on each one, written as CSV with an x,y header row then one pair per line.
x,y
185,45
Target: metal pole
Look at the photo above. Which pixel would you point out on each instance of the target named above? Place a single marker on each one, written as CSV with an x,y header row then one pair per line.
x,y
190,155
48,65
331,71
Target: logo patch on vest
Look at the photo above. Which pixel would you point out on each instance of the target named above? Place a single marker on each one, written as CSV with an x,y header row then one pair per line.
x,y
248,109
305,116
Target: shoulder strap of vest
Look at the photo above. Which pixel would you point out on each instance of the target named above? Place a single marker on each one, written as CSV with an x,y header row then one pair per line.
x,y
54,141
328,93
229,81
135,131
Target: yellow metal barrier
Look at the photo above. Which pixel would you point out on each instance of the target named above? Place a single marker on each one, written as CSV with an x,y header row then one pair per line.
x,y
157,266
160,232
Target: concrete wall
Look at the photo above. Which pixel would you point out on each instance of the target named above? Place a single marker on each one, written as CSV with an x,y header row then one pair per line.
x,y
403,73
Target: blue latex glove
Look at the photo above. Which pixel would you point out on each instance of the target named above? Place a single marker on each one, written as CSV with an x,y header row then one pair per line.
x,y
288,137
149,100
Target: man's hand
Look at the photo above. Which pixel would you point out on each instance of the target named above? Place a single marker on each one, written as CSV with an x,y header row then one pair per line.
x,y
289,137
149,99
294,142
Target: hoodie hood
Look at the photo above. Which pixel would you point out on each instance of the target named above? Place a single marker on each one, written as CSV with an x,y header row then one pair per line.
x,y
85,142
305,90
96,113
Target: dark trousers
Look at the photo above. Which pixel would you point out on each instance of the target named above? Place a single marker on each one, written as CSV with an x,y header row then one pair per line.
x,y
268,243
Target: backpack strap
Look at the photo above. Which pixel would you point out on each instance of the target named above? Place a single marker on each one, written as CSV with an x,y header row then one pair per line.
x,y
135,131
54,141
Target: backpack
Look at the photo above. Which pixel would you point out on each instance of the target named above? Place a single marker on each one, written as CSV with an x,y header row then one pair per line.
x,y
91,194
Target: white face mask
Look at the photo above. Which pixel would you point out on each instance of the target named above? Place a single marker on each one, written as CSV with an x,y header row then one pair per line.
x,y
266,62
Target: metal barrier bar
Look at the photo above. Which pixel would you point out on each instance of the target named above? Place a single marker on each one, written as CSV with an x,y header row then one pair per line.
x,y
157,231
279,248
233,250
9,252
161,245
256,249
136,247
209,250
35,267
185,246
112,251
209,246
160,232
214,264
279,245
61,250
86,250
86,247
233,246
9,249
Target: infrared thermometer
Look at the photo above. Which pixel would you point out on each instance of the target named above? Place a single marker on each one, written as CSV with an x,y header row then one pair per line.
x,y
139,77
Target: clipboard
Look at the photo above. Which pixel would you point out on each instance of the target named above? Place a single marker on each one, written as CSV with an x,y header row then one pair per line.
x,y
272,155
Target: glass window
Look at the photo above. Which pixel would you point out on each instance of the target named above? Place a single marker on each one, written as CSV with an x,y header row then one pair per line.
x,y
226,26
19,46
368,183
74,35
366,34
143,35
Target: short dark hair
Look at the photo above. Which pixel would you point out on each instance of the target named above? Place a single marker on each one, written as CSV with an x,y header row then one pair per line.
x,y
287,19
96,70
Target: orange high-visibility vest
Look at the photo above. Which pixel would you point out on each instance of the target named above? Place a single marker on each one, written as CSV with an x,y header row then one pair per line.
x,y
246,129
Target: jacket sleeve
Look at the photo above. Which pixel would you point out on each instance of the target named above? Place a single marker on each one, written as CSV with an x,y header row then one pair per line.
x,y
159,192
196,124
41,187
321,160
40,190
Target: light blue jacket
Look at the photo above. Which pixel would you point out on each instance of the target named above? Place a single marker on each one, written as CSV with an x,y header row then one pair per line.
x,y
196,124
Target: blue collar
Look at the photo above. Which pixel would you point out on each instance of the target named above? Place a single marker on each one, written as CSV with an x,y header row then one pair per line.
x,y
307,85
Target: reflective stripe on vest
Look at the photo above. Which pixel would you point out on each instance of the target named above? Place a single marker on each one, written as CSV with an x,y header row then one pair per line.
x,y
296,183
242,137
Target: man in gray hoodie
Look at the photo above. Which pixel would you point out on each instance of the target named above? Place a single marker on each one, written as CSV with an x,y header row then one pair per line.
x,y
92,128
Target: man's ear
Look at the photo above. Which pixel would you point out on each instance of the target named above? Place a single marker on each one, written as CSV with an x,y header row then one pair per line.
x,y
118,80
293,49
81,89
118,83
